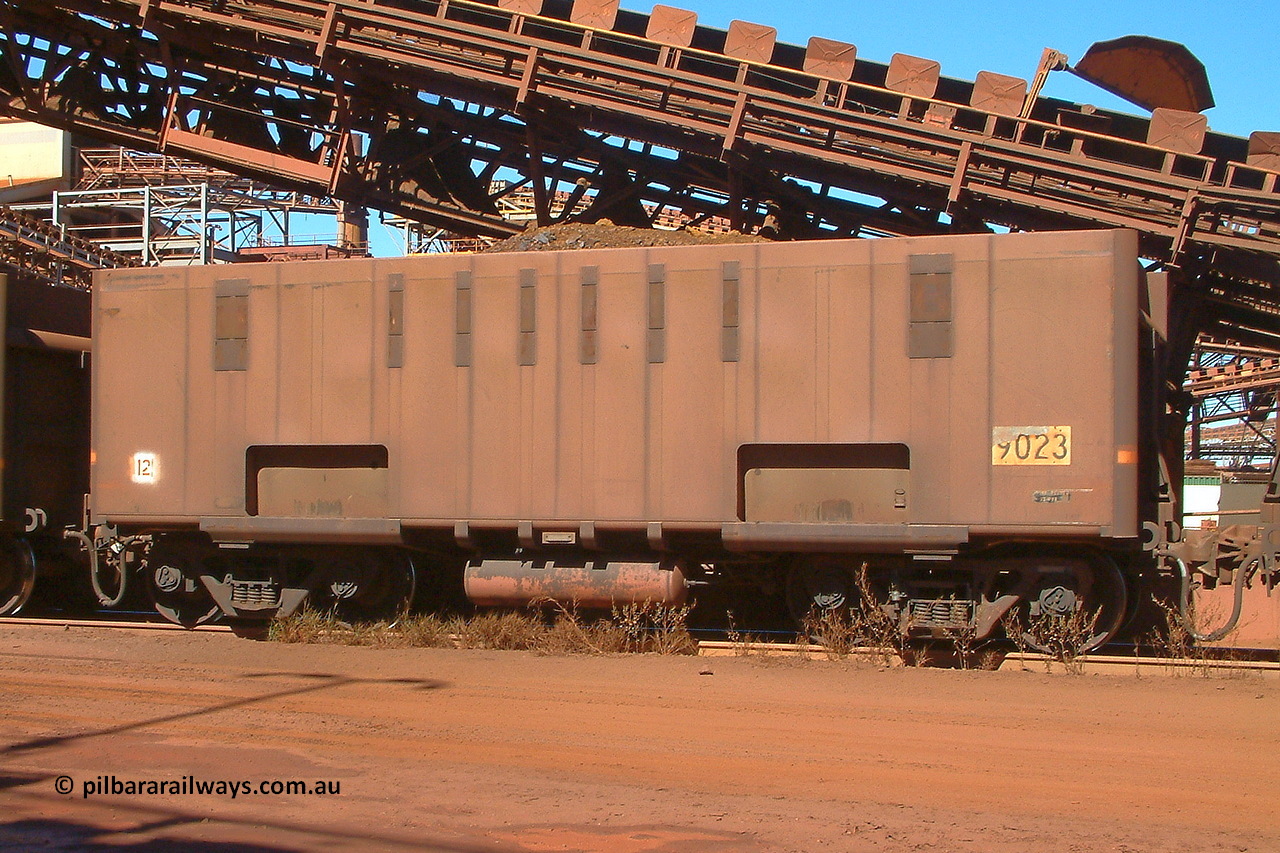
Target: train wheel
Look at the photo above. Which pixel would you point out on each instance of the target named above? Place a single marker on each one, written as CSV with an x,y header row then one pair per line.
x,y
1078,605
17,574
819,586
366,586
173,583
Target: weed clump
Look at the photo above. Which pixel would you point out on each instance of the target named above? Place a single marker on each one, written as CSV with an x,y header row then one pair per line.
x,y
1062,639
1178,648
551,629
1175,642
865,624
964,639
651,627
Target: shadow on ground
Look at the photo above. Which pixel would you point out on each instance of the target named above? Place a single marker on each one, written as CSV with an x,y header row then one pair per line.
x,y
317,682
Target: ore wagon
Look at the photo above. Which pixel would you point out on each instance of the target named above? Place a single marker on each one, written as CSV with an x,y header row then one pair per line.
x,y
970,417
44,438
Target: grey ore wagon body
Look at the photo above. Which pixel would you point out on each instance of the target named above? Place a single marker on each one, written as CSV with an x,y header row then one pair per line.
x,y
962,414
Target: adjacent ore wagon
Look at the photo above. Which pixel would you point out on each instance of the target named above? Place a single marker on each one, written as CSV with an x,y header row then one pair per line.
x,y
974,418
44,437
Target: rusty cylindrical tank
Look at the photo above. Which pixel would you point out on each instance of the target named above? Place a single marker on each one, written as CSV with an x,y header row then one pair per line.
x,y
588,584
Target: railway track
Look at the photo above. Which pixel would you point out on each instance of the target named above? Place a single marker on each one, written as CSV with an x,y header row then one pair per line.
x,y
1113,662
132,622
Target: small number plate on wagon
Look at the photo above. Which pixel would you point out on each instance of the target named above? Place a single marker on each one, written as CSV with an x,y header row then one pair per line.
x,y
1031,445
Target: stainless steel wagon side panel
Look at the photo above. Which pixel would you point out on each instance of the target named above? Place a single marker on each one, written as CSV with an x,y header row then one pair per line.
x,y
616,387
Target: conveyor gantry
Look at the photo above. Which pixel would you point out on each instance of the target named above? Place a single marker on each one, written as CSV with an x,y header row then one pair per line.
x,y
414,106
49,253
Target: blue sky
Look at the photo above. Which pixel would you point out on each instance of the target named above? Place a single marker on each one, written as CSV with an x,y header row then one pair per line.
x,y
1237,40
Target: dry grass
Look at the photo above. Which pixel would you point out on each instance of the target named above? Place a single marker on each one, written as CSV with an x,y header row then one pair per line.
x,y
1177,647
311,626
867,624
963,640
741,641
633,628
1175,642
1059,638
1016,633
837,631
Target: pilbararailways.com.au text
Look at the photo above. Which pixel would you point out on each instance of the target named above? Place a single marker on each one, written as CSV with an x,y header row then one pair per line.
x,y
187,785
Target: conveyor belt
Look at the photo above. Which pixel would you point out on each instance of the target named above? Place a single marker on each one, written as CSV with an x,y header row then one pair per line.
x,y
1246,375
34,247
413,106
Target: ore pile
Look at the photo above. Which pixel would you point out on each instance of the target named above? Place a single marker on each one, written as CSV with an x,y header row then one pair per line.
x,y
605,235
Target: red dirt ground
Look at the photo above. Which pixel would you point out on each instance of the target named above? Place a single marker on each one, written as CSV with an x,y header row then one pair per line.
x,y
481,752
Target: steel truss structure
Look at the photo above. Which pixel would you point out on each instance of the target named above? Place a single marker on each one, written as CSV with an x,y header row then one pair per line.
x,y
171,223
121,168
416,106
141,207
166,209
1232,420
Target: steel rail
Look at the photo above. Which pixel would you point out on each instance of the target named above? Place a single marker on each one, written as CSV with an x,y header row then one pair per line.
x,y
63,623
1092,662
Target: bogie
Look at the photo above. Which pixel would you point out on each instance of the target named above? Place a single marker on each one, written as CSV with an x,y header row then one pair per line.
x,y
1035,590
192,581
172,572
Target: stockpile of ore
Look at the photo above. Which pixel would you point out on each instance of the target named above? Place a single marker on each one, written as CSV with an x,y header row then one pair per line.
x,y
605,235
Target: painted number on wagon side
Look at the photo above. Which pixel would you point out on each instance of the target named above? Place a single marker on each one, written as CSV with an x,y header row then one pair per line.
x,y
1031,445
145,469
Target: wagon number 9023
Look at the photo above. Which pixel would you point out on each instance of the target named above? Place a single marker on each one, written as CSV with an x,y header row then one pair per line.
x,y
1031,445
